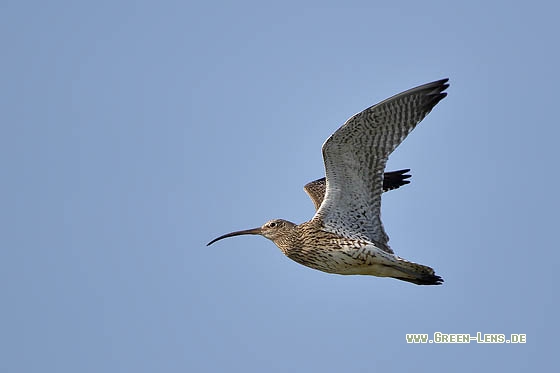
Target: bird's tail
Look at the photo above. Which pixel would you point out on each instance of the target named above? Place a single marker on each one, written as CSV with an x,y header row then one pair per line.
x,y
416,273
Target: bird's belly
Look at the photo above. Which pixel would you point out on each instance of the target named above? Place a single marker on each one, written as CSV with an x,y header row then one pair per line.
x,y
345,259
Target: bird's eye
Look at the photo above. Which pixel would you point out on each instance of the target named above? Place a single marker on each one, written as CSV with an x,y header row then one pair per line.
x,y
272,224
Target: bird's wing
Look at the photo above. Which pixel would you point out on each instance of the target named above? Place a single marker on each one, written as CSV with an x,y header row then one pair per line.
x,y
355,157
391,180
316,191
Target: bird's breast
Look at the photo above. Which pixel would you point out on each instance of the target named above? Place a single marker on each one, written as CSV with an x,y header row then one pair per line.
x,y
337,255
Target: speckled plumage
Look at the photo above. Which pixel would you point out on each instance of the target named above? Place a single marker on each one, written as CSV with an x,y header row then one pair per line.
x,y
346,235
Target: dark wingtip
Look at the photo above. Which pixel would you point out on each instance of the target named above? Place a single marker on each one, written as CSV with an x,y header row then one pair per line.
x,y
431,280
442,82
395,179
425,280
437,280
437,94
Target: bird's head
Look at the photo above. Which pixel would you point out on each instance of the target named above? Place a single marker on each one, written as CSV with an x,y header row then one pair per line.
x,y
274,230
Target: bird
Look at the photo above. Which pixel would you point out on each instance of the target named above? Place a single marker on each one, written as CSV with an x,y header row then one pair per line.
x,y
346,235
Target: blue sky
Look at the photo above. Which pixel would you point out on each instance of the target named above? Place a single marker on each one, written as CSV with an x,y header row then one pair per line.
x,y
135,132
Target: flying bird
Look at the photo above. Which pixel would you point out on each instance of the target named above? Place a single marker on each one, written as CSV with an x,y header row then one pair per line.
x,y
346,235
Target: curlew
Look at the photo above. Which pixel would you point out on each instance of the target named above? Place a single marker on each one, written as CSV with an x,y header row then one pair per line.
x,y
346,235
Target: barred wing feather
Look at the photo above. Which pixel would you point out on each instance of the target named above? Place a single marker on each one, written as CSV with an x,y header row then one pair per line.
x,y
355,157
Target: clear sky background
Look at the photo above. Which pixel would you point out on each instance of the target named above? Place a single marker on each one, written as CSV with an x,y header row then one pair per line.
x,y
132,133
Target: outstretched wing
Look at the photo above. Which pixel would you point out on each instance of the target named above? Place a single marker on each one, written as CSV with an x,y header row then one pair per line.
x,y
355,157
391,180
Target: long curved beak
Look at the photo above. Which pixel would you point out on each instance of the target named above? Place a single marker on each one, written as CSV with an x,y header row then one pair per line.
x,y
238,233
